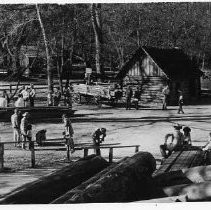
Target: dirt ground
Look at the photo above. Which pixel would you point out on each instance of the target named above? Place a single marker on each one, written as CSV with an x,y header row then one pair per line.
x,y
145,127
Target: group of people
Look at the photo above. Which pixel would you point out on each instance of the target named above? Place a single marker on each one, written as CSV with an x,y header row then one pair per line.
x,y
166,94
178,140
132,97
26,96
54,97
98,136
22,128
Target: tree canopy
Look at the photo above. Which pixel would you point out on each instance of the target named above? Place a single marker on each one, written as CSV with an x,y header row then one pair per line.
x,y
124,27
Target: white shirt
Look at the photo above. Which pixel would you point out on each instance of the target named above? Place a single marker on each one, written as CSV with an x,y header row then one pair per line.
x,y
25,94
3,102
19,102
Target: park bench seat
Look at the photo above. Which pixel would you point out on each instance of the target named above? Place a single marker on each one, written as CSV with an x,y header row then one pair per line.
x,y
181,159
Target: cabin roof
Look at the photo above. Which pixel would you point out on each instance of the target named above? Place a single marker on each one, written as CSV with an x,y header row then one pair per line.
x,y
173,62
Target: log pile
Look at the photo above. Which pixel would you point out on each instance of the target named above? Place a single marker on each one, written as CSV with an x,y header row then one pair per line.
x,y
50,187
129,180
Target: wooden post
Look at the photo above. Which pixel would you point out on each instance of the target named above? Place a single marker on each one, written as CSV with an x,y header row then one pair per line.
x,y
1,156
86,150
110,155
136,149
32,154
68,151
10,88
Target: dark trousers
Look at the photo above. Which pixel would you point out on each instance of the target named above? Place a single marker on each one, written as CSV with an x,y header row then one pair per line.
x,y
164,151
31,100
128,103
180,108
136,104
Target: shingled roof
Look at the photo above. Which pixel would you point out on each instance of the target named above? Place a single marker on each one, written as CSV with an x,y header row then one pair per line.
x,y
173,62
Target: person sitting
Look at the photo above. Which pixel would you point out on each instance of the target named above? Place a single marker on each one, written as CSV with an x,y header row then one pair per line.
x,y
207,146
98,137
187,136
176,144
20,101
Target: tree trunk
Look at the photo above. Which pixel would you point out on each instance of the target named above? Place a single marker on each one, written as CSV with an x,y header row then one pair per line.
x,y
96,23
48,56
48,188
64,198
127,181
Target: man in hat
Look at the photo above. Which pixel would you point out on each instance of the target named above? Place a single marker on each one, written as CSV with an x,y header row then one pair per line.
x,y
176,143
98,137
16,126
23,128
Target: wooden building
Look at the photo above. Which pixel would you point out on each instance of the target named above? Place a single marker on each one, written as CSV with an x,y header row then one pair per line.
x,y
153,68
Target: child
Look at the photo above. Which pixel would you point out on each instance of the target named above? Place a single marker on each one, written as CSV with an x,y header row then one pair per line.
x,y
187,137
29,135
180,103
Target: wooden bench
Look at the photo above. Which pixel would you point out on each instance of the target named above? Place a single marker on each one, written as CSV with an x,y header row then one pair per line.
x,y
181,159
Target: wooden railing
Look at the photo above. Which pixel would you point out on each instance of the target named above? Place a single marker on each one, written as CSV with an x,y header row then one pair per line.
x,y
82,146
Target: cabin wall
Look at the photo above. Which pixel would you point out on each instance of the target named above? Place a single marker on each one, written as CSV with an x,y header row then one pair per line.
x,y
147,75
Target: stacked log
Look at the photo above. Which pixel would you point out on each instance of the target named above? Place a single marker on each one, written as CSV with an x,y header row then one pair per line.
x,y
193,183
129,180
50,187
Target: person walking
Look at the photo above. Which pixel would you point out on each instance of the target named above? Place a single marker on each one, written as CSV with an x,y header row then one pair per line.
x,y
137,96
31,95
98,137
165,93
180,103
129,94
23,128
15,120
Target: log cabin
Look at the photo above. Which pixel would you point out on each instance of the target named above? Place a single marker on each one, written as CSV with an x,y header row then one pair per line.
x,y
153,68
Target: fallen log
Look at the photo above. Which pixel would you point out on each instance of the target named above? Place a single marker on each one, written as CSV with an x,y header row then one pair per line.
x,y
50,187
128,181
82,186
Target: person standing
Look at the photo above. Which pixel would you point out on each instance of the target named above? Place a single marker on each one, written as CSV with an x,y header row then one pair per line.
x,y
187,136
165,93
29,135
25,94
68,133
3,102
98,137
50,98
137,96
15,120
56,97
6,96
180,103
23,128
129,94
31,95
